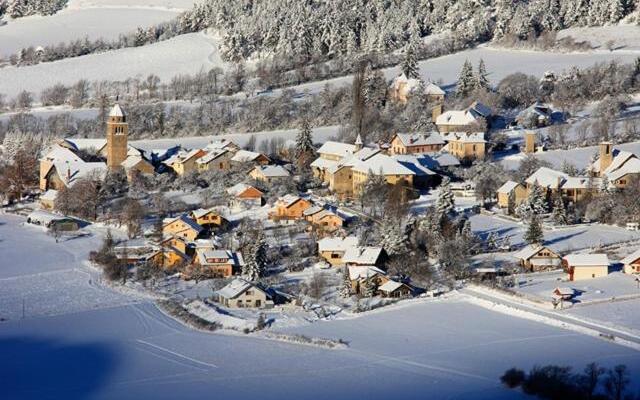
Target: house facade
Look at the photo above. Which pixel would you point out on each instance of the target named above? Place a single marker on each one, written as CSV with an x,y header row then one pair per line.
x,y
535,258
586,266
244,294
632,263
406,143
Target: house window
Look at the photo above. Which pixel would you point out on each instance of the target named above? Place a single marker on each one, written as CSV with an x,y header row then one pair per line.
x,y
593,275
249,292
335,255
258,303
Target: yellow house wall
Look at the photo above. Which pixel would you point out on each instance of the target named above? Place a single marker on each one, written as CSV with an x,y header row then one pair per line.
x,y
582,273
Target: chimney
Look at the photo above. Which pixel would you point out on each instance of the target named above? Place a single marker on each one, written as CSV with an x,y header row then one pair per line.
x,y
68,173
530,142
606,156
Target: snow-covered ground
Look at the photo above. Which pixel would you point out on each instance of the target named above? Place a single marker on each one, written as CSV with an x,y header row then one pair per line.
x,y
320,135
185,54
580,157
614,285
103,349
77,23
623,37
564,239
620,313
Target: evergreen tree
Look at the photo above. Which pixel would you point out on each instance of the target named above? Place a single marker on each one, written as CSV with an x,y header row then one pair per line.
x,y
466,81
445,203
345,289
394,240
410,62
304,150
536,203
534,234
481,79
559,211
256,260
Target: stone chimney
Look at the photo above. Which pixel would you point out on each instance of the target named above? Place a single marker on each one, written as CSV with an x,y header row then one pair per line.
x,y
606,155
530,142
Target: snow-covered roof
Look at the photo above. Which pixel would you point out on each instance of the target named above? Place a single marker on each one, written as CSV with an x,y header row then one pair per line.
x,y
528,251
420,139
229,257
382,164
188,221
507,187
363,272
564,290
433,89
479,109
323,163
464,137
417,164
337,148
210,156
116,111
273,171
455,117
220,144
236,288
86,143
362,255
131,161
288,200
245,156
579,182
390,286
631,257
337,244
547,178
586,260
45,217
49,195
70,173
240,188
200,212
312,210
630,166
445,159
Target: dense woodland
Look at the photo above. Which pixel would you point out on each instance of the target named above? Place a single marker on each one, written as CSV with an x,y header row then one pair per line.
x,y
307,32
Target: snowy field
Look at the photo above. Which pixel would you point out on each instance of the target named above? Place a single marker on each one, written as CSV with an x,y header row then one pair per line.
x,y
624,37
188,54
320,135
72,24
616,284
622,313
579,157
564,239
130,350
185,54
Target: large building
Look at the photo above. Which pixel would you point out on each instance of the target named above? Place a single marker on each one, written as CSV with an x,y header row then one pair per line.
x,y
619,167
416,143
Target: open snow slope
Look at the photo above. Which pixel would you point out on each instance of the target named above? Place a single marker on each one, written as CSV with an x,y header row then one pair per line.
x,y
130,350
87,18
186,54
72,24
623,37
193,52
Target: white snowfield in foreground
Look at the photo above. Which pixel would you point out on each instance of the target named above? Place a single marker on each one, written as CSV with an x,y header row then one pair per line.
x,y
186,54
420,349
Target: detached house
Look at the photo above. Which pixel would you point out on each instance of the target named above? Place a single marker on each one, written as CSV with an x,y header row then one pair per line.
x,y
289,208
415,143
214,160
210,218
586,266
243,196
472,118
269,173
244,294
365,256
333,249
620,167
514,190
218,263
402,88
632,263
363,276
182,226
185,162
466,145
245,156
535,258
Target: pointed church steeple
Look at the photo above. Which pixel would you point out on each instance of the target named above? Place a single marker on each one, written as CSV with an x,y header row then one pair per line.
x,y
117,137
359,143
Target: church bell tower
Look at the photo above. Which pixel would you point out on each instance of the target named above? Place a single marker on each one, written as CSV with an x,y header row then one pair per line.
x,y
117,133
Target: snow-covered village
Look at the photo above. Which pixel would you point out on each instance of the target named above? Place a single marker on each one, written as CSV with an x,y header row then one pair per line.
x,y
345,199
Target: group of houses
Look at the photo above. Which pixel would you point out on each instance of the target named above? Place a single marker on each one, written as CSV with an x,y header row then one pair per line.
x,y
613,168
365,265
537,257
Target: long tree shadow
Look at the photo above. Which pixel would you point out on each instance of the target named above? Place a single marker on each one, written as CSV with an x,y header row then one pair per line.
x,y
563,238
34,368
